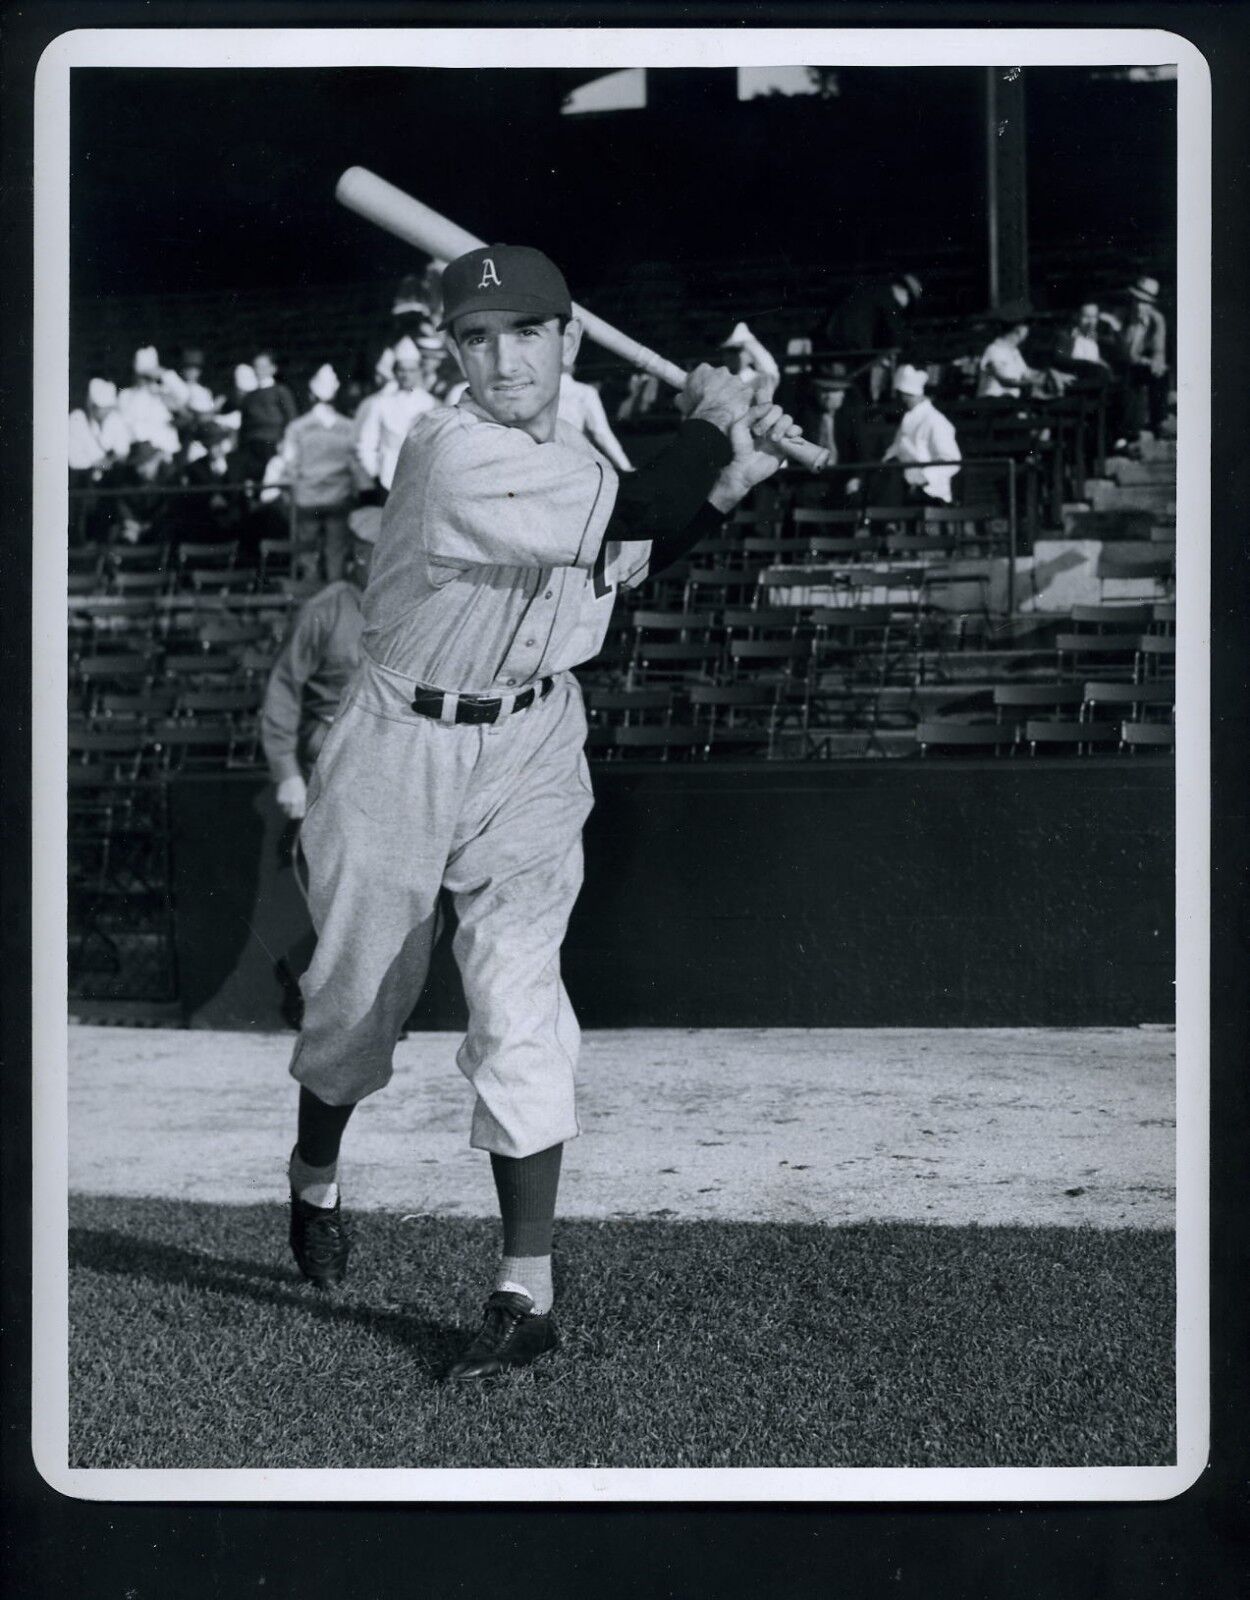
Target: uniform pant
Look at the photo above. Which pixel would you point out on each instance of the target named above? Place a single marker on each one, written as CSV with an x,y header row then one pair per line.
x,y
401,805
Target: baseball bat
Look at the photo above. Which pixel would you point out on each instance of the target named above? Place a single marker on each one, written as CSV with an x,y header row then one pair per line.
x,y
398,213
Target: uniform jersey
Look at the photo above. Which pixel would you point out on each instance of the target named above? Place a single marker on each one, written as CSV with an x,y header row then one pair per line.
x,y
320,654
492,570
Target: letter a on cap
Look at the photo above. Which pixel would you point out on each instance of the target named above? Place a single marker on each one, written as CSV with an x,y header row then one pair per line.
x,y
489,275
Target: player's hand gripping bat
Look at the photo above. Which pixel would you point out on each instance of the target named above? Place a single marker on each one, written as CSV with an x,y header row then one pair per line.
x,y
390,208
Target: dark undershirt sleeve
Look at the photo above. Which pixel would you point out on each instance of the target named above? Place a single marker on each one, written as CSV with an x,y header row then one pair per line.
x,y
666,501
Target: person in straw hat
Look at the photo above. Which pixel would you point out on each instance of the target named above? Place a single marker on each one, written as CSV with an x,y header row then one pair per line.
x,y
1144,352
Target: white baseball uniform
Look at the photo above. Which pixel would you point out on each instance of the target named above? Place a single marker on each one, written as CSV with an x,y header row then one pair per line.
x,y
491,577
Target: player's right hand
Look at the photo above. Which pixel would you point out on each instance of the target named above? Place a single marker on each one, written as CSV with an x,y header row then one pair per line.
x,y
293,797
715,395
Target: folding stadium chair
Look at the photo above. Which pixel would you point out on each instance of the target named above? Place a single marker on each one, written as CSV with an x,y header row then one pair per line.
x,y
211,666
137,583
1163,617
140,709
964,737
276,557
815,522
713,588
119,558
855,640
96,673
1156,657
657,661
78,583
740,717
198,745
1076,652
221,580
1013,702
210,557
1083,737
763,622
231,631
1135,736
86,558
1140,698
666,742
1111,619
892,519
1115,565
608,708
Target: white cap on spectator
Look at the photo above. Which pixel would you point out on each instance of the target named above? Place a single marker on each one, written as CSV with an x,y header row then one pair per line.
x,y
244,378
365,523
1090,306
385,365
740,336
102,393
1146,289
910,380
405,350
147,362
324,383
912,284
431,341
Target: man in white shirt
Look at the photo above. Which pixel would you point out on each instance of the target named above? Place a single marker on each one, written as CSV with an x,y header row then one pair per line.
x,y
1003,373
144,407
924,436
388,416
98,435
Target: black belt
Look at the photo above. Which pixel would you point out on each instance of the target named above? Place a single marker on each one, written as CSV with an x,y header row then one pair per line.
x,y
471,708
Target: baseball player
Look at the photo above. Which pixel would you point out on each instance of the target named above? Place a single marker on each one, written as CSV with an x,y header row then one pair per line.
x,y
313,668
457,761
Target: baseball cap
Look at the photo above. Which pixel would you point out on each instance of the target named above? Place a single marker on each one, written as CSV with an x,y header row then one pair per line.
x,y
504,277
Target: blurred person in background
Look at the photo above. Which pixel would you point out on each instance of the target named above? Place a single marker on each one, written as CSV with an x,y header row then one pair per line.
x,y
266,412
924,436
872,318
315,462
752,363
316,661
1142,348
582,408
388,415
146,408
1002,371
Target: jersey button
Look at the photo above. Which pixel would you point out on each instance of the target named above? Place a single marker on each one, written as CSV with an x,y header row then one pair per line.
x,y
529,644
548,594
509,681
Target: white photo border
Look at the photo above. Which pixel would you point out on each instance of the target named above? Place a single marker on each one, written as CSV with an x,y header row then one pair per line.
x,y
615,48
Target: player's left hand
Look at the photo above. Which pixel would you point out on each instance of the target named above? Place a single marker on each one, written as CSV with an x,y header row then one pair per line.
x,y
756,442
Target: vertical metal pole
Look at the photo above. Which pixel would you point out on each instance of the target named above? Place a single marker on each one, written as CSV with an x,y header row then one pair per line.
x,y
991,185
1013,537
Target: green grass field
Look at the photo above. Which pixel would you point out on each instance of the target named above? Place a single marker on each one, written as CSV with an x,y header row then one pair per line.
x,y
194,1344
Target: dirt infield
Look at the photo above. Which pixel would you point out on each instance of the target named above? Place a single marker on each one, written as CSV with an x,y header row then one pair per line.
x,y
790,1125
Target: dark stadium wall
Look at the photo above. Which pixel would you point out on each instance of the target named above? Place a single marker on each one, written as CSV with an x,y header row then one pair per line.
x,y
963,894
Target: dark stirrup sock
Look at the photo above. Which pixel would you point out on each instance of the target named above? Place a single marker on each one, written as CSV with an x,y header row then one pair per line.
x,y
320,1129
526,1186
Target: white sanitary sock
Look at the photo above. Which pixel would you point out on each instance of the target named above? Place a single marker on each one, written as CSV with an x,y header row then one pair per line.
x,y
529,1275
317,1186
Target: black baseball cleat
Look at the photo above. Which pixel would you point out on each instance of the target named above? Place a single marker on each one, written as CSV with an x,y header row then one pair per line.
x,y
319,1242
512,1335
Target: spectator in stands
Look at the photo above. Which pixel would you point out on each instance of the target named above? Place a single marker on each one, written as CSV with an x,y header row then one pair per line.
x,y
1002,372
640,398
753,363
439,372
872,319
315,460
831,414
145,407
924,436
266,412
387,416
199,400
314,666
581,408
1142,347
99,438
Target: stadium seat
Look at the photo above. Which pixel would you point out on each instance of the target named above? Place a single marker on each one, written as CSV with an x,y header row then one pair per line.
x,y
1156,657
1111,619
1141,698
966,737
1136,736
1083,737
1013,702
665,741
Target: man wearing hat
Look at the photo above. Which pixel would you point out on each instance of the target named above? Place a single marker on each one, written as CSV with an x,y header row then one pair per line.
x,y
144,407
924,436
315,459
752,362
1144,352
98,436
313,668
388,415
832,414
266,412
456,761
871,319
